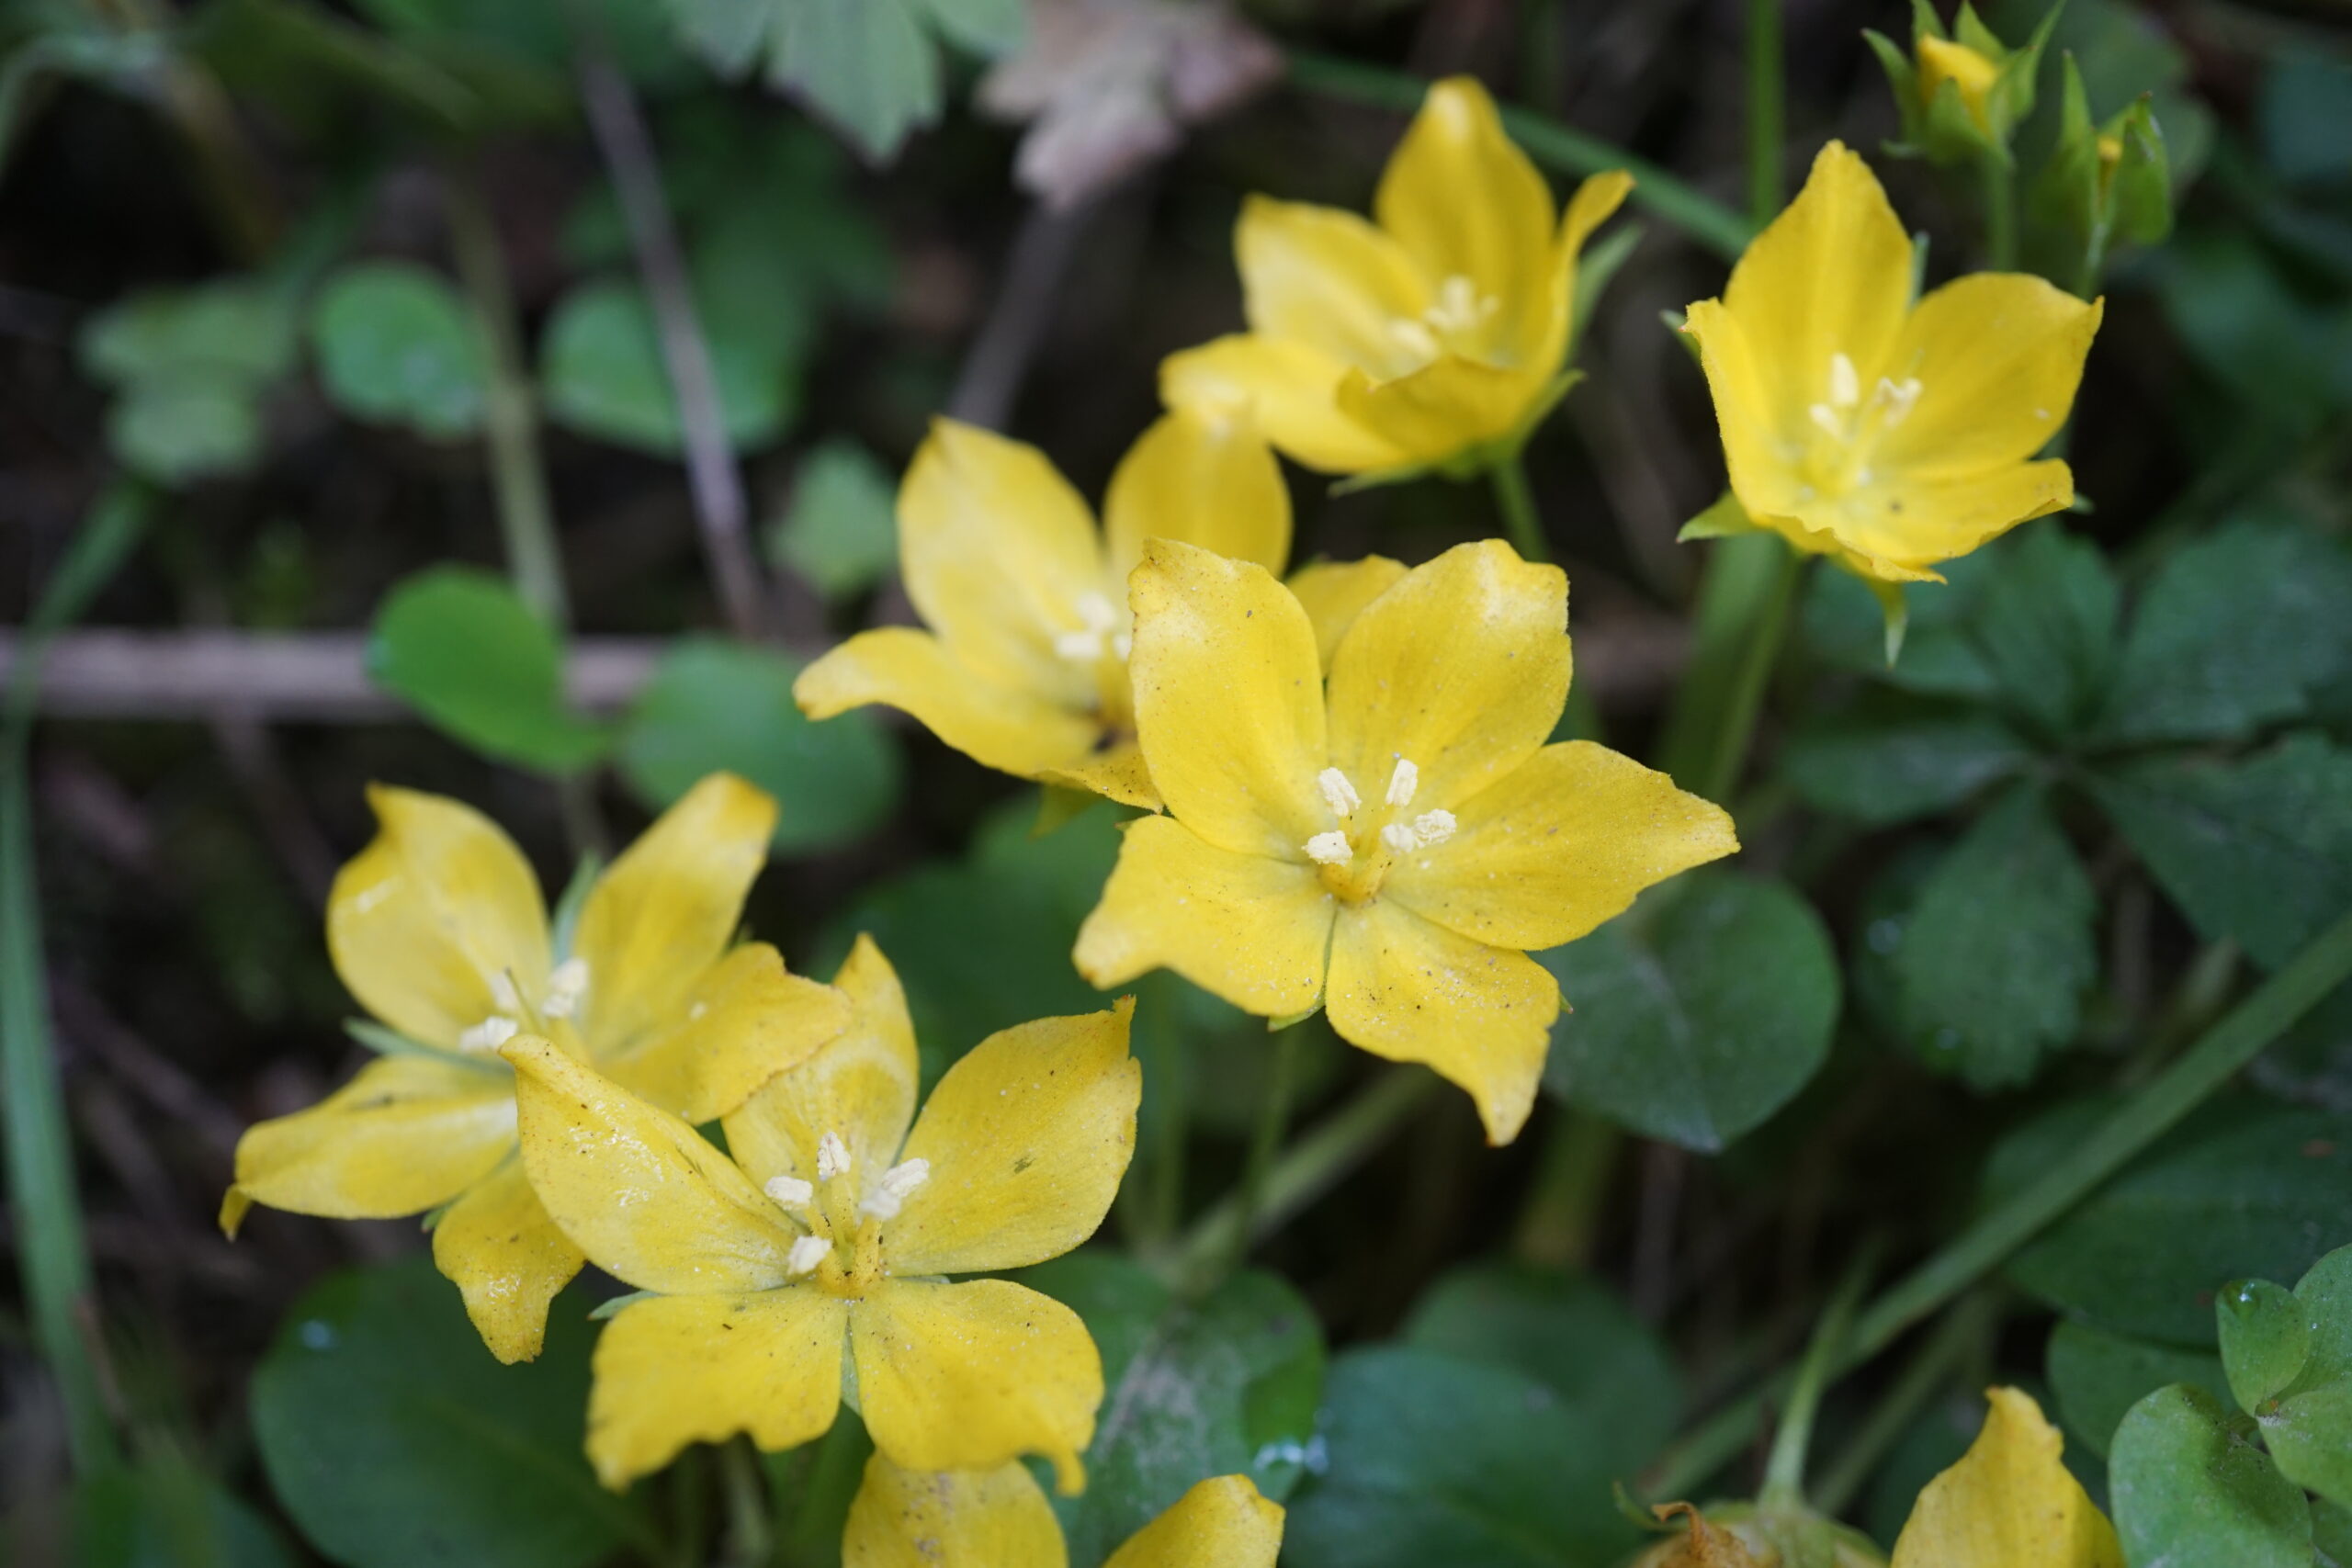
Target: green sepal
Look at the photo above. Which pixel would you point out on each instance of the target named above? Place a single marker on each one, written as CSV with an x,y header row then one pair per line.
x,y
1897,611
392,1042
563,926
1725,518
603,1310
1276,1025
1058,806
1471,462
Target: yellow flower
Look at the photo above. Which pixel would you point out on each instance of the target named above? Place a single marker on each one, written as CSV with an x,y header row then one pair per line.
x,y
1391,850
1972,75
999,1519
1025,668
2010,1501
811,1256
438,929
1885,434
1419,342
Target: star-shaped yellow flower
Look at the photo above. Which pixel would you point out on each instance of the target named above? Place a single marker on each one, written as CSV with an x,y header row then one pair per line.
x,y
1025,668
2010,1501
439,931
999,1519
1886,434
1390,849
813,1255
1419,342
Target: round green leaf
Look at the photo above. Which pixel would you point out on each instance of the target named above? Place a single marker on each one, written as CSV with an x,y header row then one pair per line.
x,y
2099,1377
394,1439
396,346
237,332
479,665
1225,1386
2264,1339
2310,1433
604,374
841,531
714,706
178,428
1699,1012
2190,1493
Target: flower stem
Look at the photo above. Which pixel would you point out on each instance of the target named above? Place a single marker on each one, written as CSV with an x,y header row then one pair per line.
x,y
1517,503
1556,1227
1937,1361
1784,1471
1767,115
1746,594
1311,1166
2000,214
1697,214
2150,1112
1274,1121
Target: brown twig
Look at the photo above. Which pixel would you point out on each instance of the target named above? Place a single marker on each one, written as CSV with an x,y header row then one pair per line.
x,y
999,360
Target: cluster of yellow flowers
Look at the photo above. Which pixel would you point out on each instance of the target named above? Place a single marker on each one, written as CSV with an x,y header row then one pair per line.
x,y
1352,800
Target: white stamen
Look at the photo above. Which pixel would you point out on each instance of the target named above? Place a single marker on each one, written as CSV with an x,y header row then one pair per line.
x,y
1096,617
502,992
832,1157
566,987
806,1254
1900,396
1330,849
1844,386
1338,793
1096,614
1123,645
1433,828
488,1034
1415,336
790,1191
1400,838
890,1194
1403,782
1825,416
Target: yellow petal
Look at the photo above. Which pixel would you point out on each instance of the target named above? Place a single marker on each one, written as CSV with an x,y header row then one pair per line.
x,y
1441,408
997,551
421,919
860,1086
1464,201
1831,275
967,1376
1550,851
1335,592
507,1259
1998,356
1461,669
638,1190
1251,929
1895,528
987,1519
744,1020
1222,1522
680,1370
1768,483
1010,729
1027,1137
1595,199
1412,991
1229,699
1290,389
407,1135
663,913
1117,773
1202,478
1971,74
1330,280
2009,1501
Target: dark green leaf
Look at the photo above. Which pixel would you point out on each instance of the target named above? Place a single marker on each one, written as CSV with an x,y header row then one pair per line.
x,y
1699,1012
2234,633
2257,850
841,531
2264,1339
2242,1189
713,705
2046,625
1883,762
396,346
2000,949
479,665
2099,1377
393,1438
984,26
1225,1386
1566,1332
604,374
2189,1493
1845,627
1439,1463
2332,1533
2305,116
165,1514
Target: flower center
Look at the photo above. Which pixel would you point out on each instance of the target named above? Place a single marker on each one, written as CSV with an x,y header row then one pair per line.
x,y
1847,428
841,1253
566,988
1098,633
1456,319
1355,858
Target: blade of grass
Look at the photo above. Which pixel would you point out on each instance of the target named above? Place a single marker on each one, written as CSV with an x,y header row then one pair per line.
x,y
53,1255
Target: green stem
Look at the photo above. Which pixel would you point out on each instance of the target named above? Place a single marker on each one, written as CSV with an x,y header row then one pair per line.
x,y
1702,217
1745,592
1517,503
1750,679
749,1542
2150,1112
1311,1166
1556,1229
53,1252
1766,114
1784,1471
1265,1139
1929,1371
510,411
2000,214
